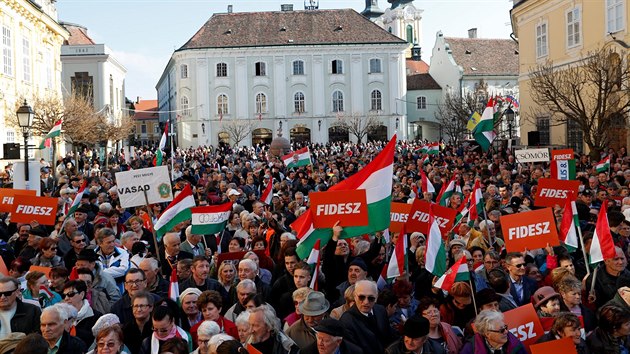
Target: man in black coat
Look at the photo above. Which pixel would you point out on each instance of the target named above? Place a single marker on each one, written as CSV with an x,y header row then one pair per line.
x,y
521,288
171,254
366,322
332,336
26,317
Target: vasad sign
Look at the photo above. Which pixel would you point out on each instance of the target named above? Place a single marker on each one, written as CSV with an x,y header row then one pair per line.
x,y
531,230
349,208
552,192
132,185
532,155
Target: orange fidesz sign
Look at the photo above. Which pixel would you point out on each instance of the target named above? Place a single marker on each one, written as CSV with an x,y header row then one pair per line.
x,y
349,208
27,208
553,192
531,230
7,196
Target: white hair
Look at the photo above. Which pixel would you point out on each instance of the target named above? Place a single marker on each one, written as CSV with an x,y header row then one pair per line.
x,y
208,328
242,319
71,311
105,207
246,283
249,263
483,225
59,310
217,340
484,318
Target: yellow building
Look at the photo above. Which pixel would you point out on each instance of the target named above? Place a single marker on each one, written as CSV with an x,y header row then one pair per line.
x,y
563,32
30,65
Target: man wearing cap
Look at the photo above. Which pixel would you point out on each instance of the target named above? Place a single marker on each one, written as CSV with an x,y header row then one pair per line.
x,y
358,270
81,216
233,195
414,340
330,335
313,310
366,321
102,281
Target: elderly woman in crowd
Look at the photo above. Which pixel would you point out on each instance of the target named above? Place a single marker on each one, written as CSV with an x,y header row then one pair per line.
x,y
492,336
47,256
244,329
570,289
205,331
566,325
37,290
109,340
441,338
613,334
348,296
74,293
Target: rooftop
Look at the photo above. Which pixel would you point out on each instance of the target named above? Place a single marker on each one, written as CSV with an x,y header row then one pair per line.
x,y
284,28
416,67
78,34
422,82
146,109
480,56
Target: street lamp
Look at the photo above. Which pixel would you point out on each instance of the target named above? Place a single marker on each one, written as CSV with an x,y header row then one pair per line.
x,y
25,120
509,114
397,122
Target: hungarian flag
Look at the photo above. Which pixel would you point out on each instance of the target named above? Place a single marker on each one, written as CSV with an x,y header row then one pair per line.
x,y
602,246
563,169
458,272
77,200
267,194
297,158
446,192
476,205
314,260
420,149
427,186
173,288
382,278
435,256
434,148
569,225
426,160
164,137
209,220
159,157
54,132
45,293
396,266
176,212
376,179
603,165
484,131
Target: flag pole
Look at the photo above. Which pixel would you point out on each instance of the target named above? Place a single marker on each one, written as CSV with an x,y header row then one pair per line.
x,y
157,249
472,293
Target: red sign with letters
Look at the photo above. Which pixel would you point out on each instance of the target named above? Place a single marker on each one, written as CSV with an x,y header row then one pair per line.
x,y
552,192
419,217
349,208
27,208
531,230
562,154
399,214
7,195
524,324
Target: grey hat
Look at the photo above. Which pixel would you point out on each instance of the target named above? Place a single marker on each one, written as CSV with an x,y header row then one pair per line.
x,y
315,304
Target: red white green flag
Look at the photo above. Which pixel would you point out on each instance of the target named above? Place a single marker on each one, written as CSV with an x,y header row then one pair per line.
x,y
397,263
603,165
54,132
297,158
427,186
179,210
314,260
173,289
569,225
458,272
435,256
268,193
602,246
211,219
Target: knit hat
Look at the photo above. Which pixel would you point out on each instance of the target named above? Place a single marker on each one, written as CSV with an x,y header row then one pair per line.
x,y
107,320
359,262
189,291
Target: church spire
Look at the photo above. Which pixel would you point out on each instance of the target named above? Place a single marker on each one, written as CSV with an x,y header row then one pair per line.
x,y
397,3
372,11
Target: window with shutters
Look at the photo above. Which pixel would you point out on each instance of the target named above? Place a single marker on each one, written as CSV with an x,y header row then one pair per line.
x,y
7,51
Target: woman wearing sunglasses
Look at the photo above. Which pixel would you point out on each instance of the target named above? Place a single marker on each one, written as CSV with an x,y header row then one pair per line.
x,y
492,336
74,293
47,256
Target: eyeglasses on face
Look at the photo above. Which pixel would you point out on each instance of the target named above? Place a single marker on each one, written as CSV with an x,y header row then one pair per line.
x,y
501,330
141,306
134,282
108,345
79,241
162,330
520,265
68,294
7,293
369,298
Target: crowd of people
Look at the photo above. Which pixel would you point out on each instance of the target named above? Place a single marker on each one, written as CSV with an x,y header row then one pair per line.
x,y
102,285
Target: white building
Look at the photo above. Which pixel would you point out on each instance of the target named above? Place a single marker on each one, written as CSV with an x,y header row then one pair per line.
x,y
294,72
461,65
423,97
91,69
30,66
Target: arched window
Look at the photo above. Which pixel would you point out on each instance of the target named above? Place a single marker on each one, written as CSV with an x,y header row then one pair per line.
x,y
376,101
298,67
298,102
222,105
337,66
410,34
375,66
261,68
222,70
184,106
184,71
337,101
261,103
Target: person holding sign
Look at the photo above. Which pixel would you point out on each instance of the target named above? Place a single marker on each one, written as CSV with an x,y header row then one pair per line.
x,y
492,336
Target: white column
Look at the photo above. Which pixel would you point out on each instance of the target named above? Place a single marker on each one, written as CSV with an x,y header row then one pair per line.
x,y
242,88
319,74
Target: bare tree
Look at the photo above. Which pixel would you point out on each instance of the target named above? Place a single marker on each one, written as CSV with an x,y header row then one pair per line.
x,y
592,93
238,129
455,110
121,130
357,124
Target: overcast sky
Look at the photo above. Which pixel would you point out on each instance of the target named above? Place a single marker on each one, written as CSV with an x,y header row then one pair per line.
x,y
144,33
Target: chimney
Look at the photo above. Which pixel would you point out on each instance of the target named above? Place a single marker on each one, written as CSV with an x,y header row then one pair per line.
x,y
286,7
230,9
138,99
472,33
